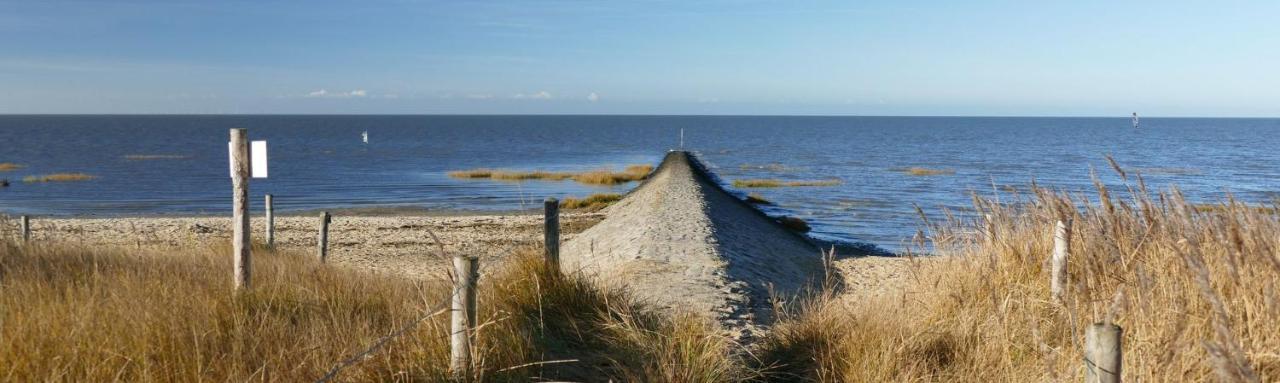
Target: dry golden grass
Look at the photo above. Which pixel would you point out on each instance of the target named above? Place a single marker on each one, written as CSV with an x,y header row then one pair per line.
x,y
78,313
594,177
1195,292
59,177
591,203
774,183
145,157
757,199
9,166
917,171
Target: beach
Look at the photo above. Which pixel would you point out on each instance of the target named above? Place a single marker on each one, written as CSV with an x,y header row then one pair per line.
x,y
389,243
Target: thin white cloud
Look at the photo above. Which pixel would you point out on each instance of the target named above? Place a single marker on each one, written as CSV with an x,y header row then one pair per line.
x,y
541,95
593,97
479,96
327,94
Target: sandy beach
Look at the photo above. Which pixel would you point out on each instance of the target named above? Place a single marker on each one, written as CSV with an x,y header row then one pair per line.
x,y
399,244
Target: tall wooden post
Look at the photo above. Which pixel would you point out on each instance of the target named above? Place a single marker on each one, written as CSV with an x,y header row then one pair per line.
x,y
1061,249
322,241
551,231
25,223
271,222
1102,354
240,248
463,316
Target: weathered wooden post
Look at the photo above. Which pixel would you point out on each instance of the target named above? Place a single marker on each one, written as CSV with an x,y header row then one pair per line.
x,y
551,229
1102,354
240,248
1061,249
25,223
463,316
322,241
271,222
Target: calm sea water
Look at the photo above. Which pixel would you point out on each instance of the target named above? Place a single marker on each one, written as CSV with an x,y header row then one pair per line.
x,y
320,161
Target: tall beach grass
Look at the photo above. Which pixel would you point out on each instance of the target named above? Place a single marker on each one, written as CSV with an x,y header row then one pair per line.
x,y
1194,290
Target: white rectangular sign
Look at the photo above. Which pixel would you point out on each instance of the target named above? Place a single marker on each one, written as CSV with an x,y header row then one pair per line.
x,y
258,155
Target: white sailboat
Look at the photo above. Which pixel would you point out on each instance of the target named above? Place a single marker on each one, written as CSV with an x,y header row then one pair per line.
x,y
1135,120
365,136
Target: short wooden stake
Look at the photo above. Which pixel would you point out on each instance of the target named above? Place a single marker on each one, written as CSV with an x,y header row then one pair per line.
x,y
271,222
1061,249
25,223
463,316
322,241
1102,355
551,229
240,248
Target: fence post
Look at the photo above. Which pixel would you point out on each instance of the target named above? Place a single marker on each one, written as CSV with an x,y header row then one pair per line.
x,y
322,241
25,223
271,222
551,229
463,316
1061,249
1102,355
240,247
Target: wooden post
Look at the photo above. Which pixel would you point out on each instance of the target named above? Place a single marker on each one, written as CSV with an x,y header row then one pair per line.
x,y
240,248
1061,249
1102,355
463,316
271,222
551,230
25,223
322,241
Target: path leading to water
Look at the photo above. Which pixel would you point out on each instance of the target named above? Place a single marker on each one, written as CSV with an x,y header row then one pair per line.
x,y
682,243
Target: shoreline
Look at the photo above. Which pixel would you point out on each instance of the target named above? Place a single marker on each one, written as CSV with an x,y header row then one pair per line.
x,y
398,244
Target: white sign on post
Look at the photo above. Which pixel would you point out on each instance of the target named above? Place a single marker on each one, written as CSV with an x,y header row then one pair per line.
x,y
258,155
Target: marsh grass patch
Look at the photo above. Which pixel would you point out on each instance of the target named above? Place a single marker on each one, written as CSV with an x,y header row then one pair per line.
x,y
776,183
593,177
9,166
59,177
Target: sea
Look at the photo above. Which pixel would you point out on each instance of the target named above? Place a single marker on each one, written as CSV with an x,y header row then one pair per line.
x,y
177,165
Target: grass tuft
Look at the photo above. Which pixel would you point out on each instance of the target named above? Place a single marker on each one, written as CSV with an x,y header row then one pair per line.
x,y
9,166
757,199
594,177
591,203
145,157
774,183
59,177
917,171
795,224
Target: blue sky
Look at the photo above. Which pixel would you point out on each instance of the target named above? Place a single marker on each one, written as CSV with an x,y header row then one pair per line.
x,y
1017,58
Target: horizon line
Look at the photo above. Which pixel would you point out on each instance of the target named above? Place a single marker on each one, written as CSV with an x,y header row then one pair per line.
x,y
615,115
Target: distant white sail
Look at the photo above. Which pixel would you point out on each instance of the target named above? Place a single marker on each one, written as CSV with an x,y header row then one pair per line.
x,y
365,136
1135,120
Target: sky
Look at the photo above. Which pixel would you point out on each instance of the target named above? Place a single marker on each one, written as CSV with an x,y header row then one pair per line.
x,y
943,58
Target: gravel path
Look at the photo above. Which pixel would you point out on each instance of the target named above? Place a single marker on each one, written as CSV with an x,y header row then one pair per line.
x,y
682,243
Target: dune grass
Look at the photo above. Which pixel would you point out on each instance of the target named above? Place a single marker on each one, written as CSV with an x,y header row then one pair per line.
x,y
918,171
1194,290
775,183
59,177
757,199
146,157
591,203
593,177
9,166
83,313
